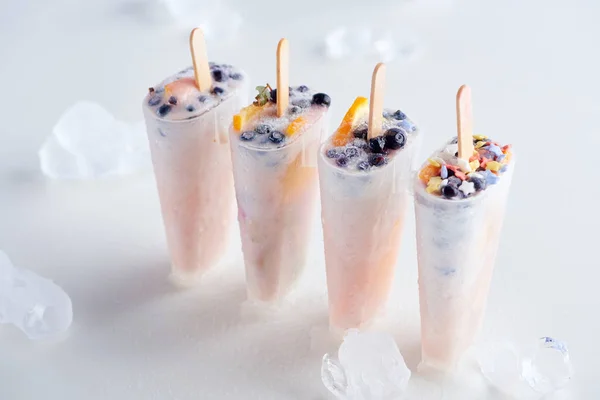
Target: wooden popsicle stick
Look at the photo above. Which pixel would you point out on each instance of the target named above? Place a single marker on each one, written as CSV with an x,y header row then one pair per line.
x,y
200,60
283,76
464,122
376,102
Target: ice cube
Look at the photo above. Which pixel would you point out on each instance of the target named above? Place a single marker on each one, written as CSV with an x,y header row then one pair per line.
x,y
35,305
218,20
88,142
369,366
529,374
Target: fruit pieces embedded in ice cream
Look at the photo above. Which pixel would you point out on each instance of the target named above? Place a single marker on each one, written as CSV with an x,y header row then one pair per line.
x,y
259,126
364,197
349,149
178,97
276,183
447,176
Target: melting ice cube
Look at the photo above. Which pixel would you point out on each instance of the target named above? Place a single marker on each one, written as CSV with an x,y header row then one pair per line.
x,y
35,305
526,375
369,367
88,142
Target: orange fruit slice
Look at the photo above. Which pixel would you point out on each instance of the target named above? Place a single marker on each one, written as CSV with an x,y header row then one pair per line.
x,y
354,115
179,86
246,114
428,172
295,126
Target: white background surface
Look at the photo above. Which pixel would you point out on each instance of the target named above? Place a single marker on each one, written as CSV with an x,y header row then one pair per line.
x,y
533,67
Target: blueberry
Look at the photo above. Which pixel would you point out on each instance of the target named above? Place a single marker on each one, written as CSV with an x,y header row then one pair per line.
x,y
237,76
351,152
202,99
173,100
217,90
274,95
399,115
321,99
454,181
263,129
342,161
164,110
450,191
395,139
450,172
376,160
377,144
333,153
190,108
363,165
304,103
302,88
361,133
295,109
454,141
154,100
276,137
478,182
248,135
218,75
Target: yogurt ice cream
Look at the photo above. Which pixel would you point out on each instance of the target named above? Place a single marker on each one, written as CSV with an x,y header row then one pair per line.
x,y
364,195
187,130
275,174
459,207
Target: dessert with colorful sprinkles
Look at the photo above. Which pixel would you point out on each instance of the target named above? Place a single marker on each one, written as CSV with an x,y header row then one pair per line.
x,y
460,195
448,176
187,119
274,143
364,175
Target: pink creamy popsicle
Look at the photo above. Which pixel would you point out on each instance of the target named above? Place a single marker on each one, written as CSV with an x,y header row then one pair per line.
x,y
187,129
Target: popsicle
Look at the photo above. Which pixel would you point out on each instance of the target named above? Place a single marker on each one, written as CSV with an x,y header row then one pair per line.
x,y
187,119
364,175
274,142
460,197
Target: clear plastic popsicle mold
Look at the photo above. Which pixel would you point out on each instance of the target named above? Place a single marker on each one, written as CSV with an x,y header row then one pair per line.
x,y
35,305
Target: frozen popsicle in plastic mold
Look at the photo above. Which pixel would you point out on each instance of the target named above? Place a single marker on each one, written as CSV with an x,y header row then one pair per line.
x,y
35,305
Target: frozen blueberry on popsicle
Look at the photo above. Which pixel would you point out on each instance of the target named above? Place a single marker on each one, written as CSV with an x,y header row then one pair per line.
x,y
321,99
333,153
236,76
202,99
361,133
399,115
218,75
351,152
248,135
190,108
478,182
449,191
276,137
376,160
274,95
342,161
454,181
173,100
295,109
395,139
377,144
363,165
302,88
164,110
263,129
217,90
